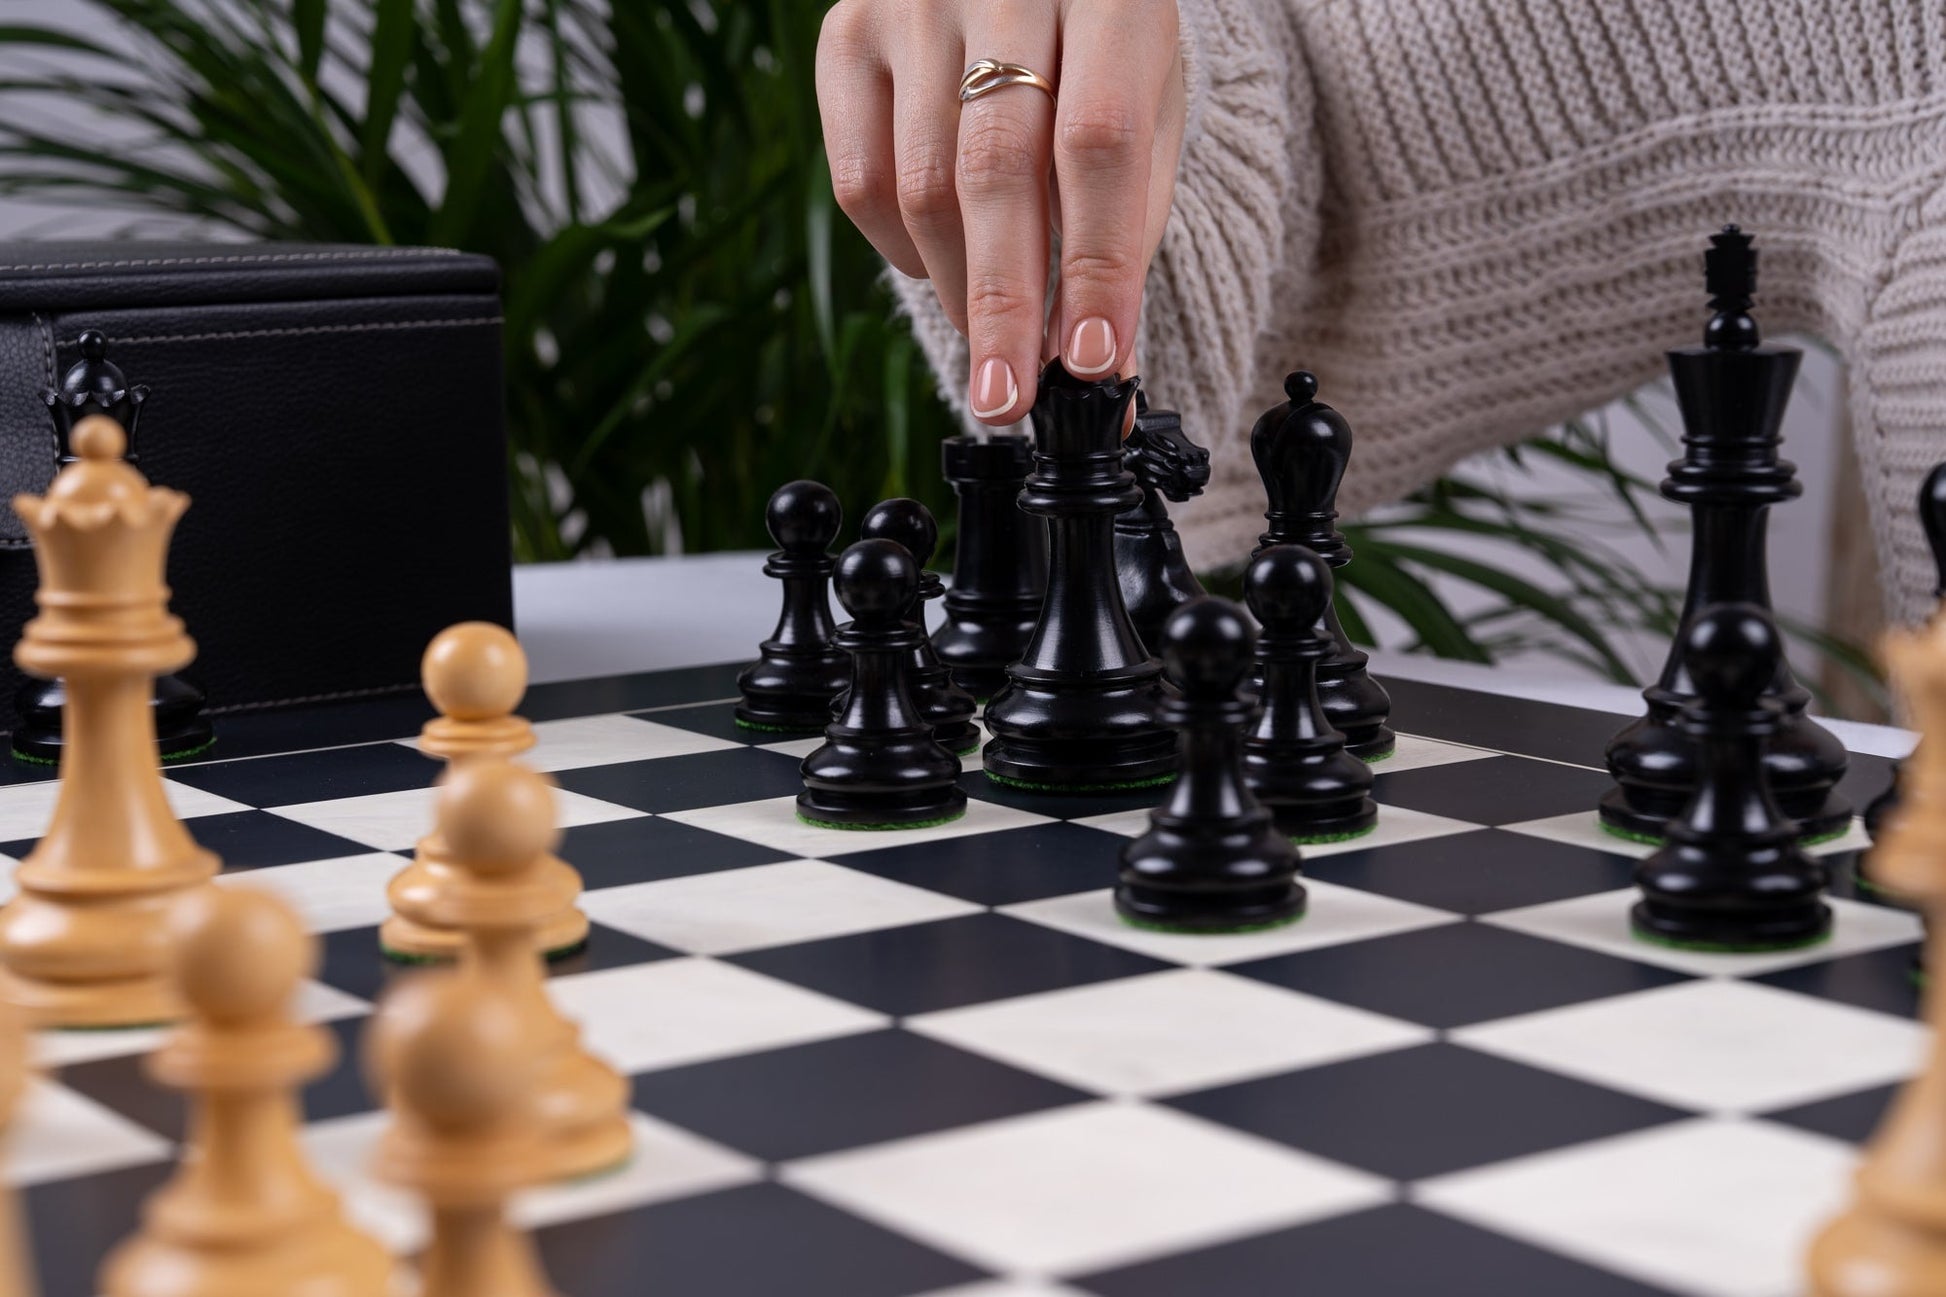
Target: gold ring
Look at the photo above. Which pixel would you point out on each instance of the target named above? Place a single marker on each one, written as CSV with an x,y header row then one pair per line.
x,y
986,75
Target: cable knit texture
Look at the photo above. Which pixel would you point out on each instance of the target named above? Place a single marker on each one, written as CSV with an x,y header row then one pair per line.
x,y
1476,218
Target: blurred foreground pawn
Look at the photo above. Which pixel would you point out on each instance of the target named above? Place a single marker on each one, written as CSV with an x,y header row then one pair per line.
x,y
879,766
999,561
1293,758
498,824
1730,875
244,1216
460,1072
475,674
16,1268
798,670
1155,575
1892,1240
1302,448
942,704
1212,860
95,385
85,942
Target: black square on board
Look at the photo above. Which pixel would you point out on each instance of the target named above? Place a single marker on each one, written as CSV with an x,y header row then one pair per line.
x,y
1886,980
1481,872
1005,868
1493,790
1388,1251
718,720
643,848
845,1093
689,782
245,840
1456,974
760,1240
325,775
354,964
1852,1117
946,963
1425,1111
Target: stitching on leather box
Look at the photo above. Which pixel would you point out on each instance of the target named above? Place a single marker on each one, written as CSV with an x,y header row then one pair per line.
x,y
372,692
261,259
309,328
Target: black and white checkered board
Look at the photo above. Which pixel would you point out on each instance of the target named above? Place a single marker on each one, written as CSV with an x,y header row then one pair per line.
x,y
932,1062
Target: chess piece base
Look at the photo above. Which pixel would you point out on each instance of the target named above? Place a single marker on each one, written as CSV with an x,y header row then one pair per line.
x,y
325,1260
181,728
898,809
1327,823
407,942
408,937
1230,882
583,1107
1643,814
791,696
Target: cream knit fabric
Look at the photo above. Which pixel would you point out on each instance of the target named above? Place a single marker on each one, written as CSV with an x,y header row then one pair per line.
x,y
1476,218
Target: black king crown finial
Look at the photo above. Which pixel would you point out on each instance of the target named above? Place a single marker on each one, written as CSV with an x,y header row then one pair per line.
x,y
94,384
1730,272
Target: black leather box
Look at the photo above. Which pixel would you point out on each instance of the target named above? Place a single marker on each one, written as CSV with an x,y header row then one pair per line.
x,y
335,416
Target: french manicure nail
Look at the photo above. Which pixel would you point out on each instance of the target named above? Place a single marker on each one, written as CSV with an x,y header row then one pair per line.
x,y
994,388
1091,347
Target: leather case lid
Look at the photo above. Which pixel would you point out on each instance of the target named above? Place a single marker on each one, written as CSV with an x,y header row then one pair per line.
x,y
80,276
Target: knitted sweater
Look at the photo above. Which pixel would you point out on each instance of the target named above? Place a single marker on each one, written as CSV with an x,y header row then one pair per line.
x,y
1476,218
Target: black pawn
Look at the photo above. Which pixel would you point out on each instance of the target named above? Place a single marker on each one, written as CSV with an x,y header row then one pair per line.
x,y
1732,391
1932,516
944,705
1302,448
1730,875
1155,574
799,670
96,385
880,766
1212,860
1080,709
999,562
1293,757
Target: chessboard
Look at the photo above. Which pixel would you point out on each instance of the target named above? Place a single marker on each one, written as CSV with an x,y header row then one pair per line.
x,y
932,1061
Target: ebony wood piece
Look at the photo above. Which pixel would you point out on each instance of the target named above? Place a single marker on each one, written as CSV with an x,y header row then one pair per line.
x,y
1730,875
1080,708
879,766
942,704
799,670
96,385
999,562
1302,447
1732,391
1294,759
1932,515
1156,577
1212,860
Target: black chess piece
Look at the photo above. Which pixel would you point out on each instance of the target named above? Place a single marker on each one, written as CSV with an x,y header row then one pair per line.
x,y
1730,874
1294,759
1155,576
945,706
96,385
1932,516
999,562
1732,391
1302,448
1080,708
1212,860
798,670
879,766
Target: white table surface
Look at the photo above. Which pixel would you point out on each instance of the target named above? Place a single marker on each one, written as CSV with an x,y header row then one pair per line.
x,y
611,617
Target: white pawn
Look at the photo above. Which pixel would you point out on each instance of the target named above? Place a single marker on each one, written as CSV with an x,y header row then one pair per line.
x,y
458,1064
244,1216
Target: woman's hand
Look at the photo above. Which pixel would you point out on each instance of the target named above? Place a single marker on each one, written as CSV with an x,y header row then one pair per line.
x,y
966,195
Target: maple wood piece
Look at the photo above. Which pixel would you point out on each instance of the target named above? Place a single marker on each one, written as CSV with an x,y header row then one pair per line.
x,y
497,824
95,385
1732,391
1294,759
942,704
798,670
455,1057
1302,448
16,1264
475,674
1080,709
1891,1241
999,561
879,765
1155,575
84,944
244,1216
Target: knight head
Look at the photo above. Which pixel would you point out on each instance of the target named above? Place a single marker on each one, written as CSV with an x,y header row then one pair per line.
x,y
1162,456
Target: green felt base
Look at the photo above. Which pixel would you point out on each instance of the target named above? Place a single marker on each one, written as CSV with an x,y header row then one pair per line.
x,y
568,951
1318,840
1726,948
1650,840
776,729
974,746
1377,757
1147,925
880,828
34,761
120,1026
1027,785
183,755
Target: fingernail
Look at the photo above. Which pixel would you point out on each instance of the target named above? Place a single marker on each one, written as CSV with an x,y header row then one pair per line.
x,y
994,388
1091,347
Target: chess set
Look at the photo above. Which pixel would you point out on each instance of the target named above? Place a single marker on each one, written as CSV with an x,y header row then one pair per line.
x,y
1009,959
